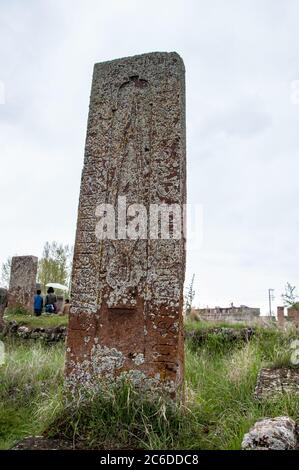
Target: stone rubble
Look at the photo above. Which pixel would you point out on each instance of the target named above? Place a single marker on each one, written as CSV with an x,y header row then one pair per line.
x,y
278,433
49,335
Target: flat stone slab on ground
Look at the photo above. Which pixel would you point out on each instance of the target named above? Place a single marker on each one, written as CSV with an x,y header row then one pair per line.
x,y
42,443
271,382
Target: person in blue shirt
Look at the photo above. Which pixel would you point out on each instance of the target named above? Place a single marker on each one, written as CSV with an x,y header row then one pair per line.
x,y
38,303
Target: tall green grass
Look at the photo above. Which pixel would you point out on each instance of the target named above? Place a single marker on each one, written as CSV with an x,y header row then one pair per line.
x,y
30,380
219,402
120,417
222,383
43,321
208,325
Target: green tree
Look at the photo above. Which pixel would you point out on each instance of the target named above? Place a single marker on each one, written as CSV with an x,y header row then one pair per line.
x,y
55,264
189,297
5,273
290,297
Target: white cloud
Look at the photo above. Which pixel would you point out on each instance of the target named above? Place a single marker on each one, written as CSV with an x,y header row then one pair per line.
x,y
240,57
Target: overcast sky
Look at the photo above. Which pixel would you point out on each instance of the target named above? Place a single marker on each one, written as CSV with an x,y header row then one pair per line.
x,y
241,61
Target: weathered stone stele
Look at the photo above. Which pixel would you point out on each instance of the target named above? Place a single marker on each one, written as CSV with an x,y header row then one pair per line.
x,y
59,303
127,294
22,282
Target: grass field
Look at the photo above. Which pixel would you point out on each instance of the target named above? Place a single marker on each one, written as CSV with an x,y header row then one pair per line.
x,y
43,321
219,406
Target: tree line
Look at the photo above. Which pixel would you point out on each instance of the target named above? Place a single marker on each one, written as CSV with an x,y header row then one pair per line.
x,y
55,265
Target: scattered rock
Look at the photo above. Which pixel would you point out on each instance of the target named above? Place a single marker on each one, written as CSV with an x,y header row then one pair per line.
x,y
49,335
273,382
271,434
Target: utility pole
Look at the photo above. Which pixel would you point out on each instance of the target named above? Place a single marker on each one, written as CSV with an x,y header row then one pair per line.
x,y
271,297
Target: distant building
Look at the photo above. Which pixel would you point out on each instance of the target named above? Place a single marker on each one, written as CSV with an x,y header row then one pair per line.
x,y
228,314
292,315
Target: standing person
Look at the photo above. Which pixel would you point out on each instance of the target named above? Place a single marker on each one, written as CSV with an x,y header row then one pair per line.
x,y
38,303
50,301
66,308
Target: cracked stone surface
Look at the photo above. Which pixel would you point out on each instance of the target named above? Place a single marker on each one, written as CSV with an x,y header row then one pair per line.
x,y
272,382
127,295
272,434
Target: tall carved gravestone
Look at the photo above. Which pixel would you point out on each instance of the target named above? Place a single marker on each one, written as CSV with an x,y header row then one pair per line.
x,y
127,280
22,284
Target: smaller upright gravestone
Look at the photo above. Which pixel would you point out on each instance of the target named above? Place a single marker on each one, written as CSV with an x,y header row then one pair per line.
x,y
3,304
22,284
59,304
